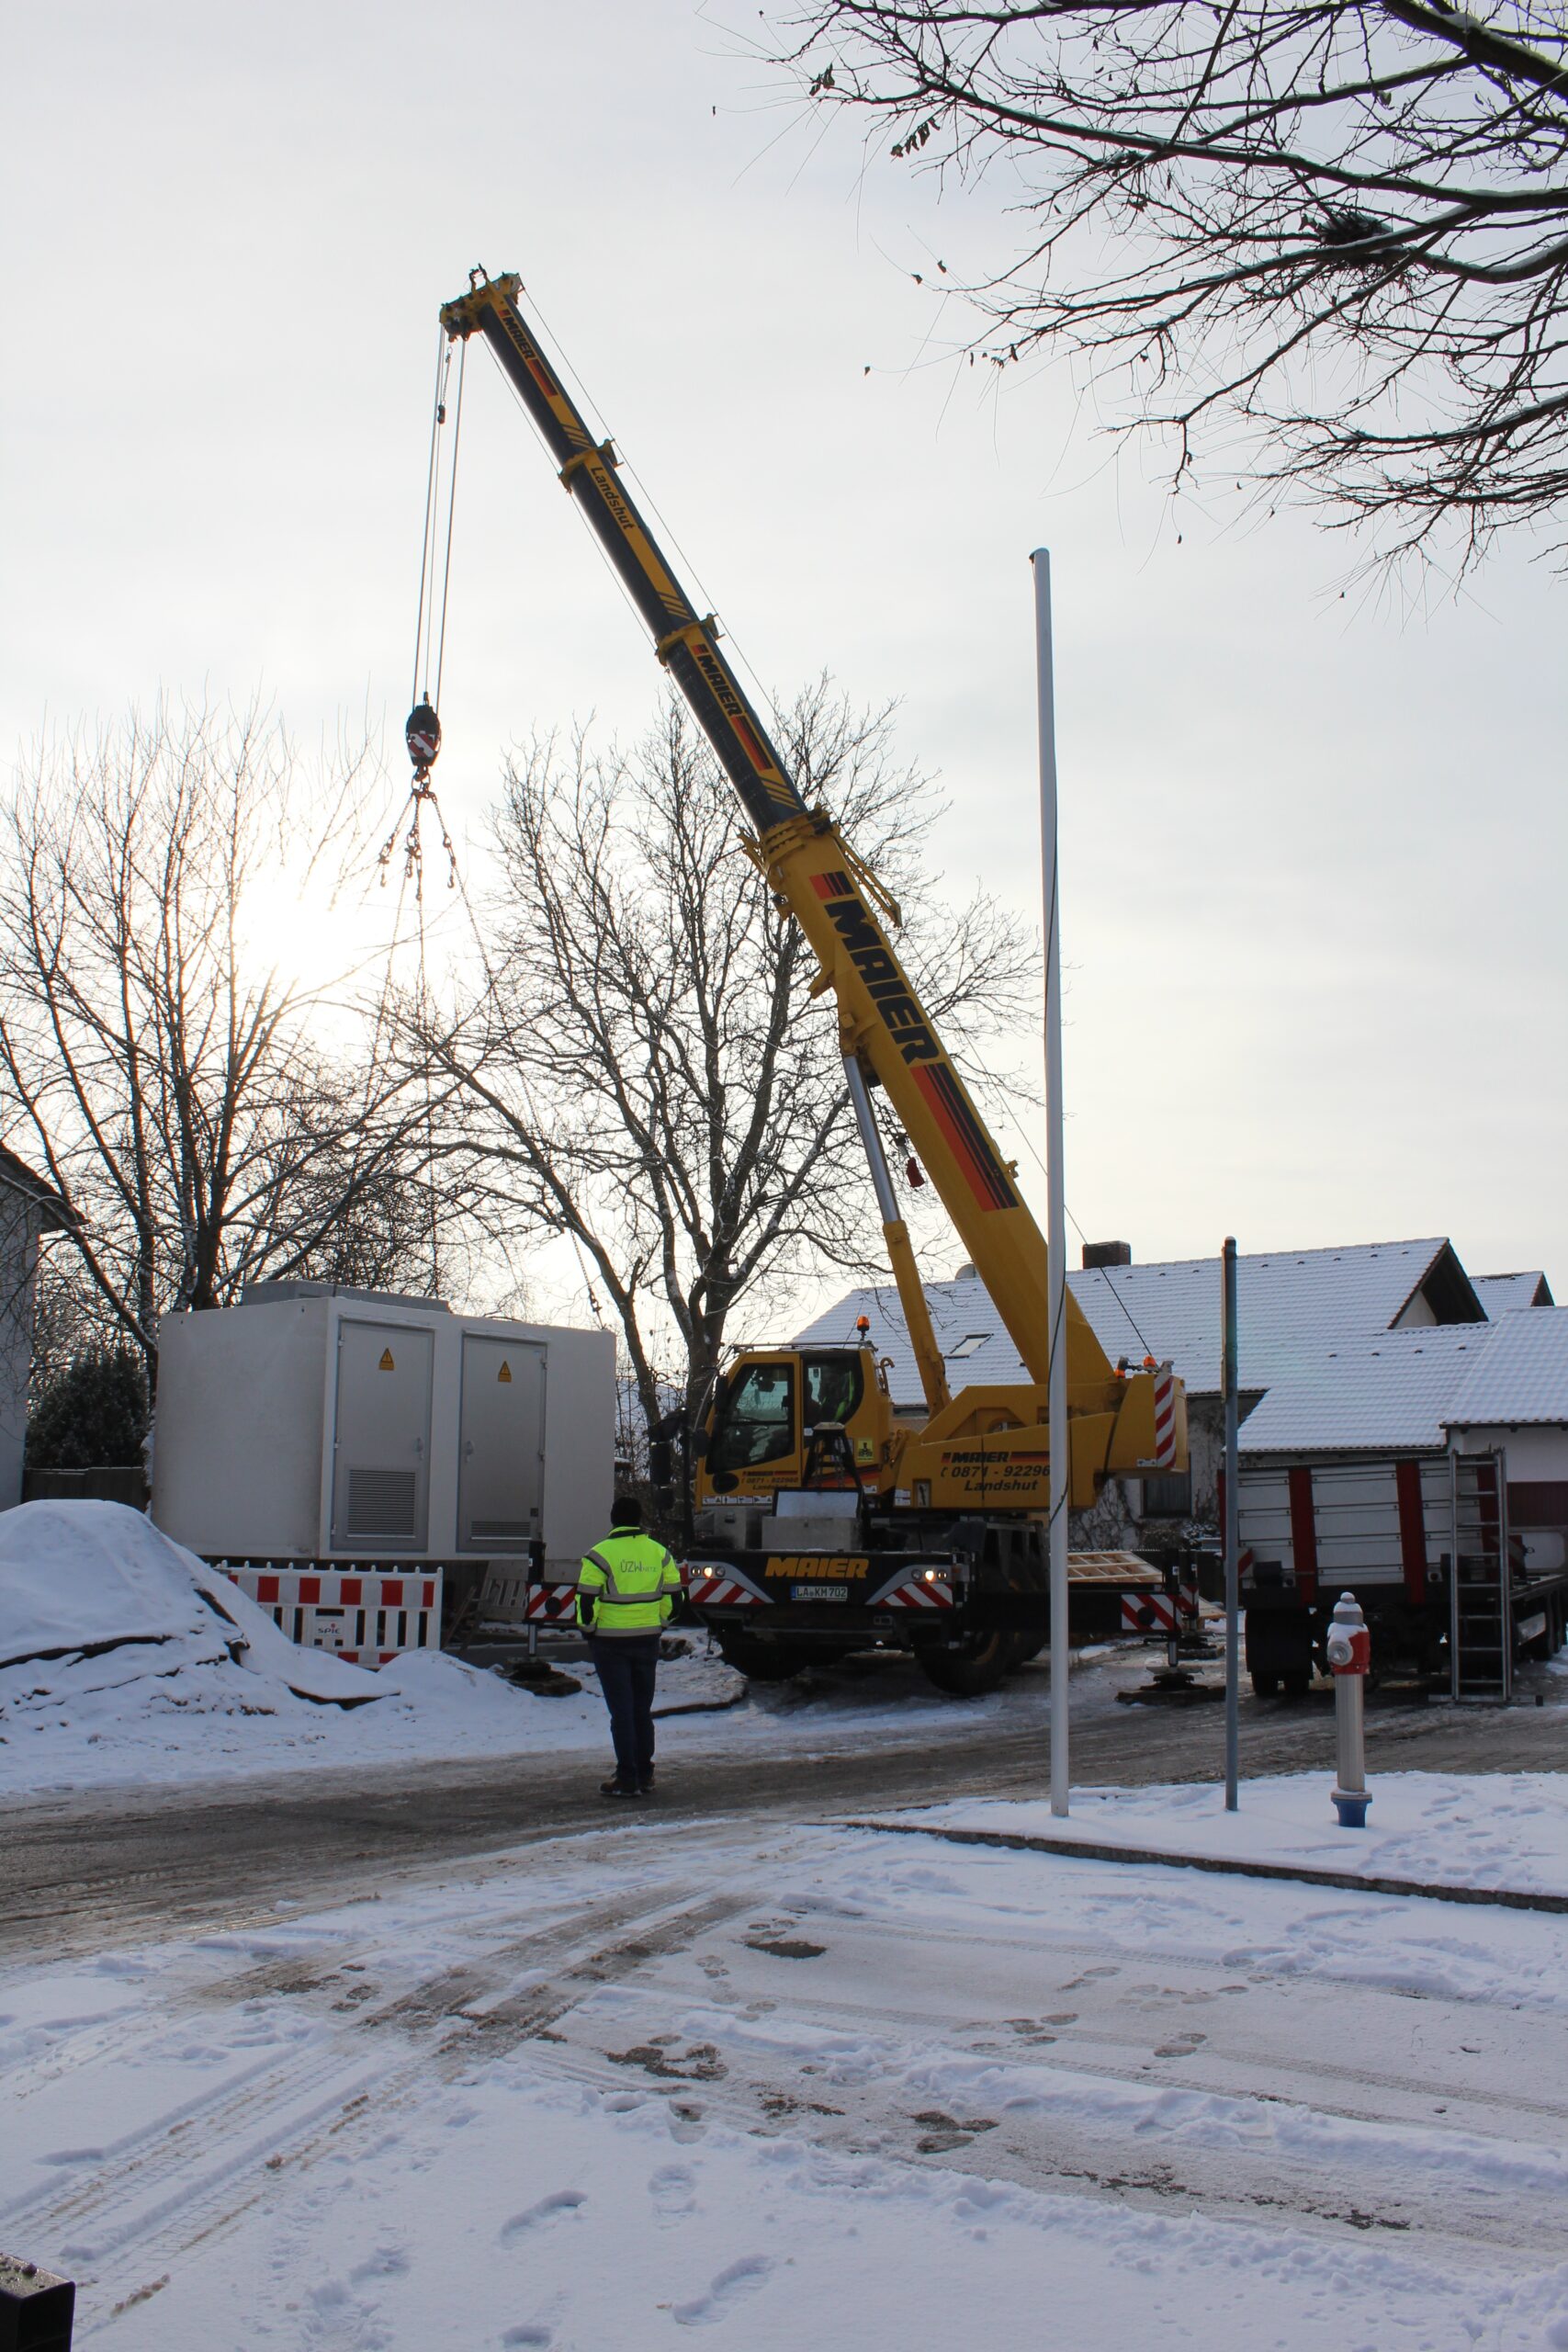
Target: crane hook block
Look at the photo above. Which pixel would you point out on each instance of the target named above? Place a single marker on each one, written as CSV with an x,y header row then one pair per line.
x,y
423,735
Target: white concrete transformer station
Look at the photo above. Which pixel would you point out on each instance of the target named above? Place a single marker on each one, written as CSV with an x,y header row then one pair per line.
x,y
315,1423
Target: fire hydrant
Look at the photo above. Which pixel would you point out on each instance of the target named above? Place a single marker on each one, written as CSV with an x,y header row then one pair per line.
x,y
1350,1654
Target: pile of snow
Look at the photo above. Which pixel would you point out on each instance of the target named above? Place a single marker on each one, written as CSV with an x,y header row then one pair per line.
x,y
124,1658
1506,1830
82,1582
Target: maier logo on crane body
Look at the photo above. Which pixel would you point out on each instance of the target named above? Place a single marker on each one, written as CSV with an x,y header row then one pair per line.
x,y
837,1565
905,1023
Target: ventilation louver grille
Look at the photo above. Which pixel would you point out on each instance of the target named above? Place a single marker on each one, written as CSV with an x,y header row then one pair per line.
x,y
498,1531
382,1505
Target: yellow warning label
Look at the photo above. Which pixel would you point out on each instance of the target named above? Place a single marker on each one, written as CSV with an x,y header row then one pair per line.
x,y
505,1372
386,1363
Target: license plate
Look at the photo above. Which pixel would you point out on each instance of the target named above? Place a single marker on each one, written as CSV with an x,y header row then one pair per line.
x,y
820,1592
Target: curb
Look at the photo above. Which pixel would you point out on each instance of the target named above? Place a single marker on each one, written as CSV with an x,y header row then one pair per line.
x,y
1504,1898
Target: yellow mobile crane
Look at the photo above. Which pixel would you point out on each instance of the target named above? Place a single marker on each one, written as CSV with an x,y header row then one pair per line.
x,y
824,1518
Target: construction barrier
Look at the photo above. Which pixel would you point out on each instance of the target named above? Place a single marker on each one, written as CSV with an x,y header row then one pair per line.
x,y
366,1616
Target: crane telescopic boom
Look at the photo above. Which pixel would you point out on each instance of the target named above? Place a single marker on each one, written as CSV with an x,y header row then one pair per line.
x,y
811,869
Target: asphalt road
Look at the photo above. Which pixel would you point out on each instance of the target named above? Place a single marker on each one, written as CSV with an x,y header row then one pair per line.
x,y
78,1872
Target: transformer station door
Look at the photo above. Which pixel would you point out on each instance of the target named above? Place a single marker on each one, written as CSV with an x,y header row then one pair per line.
x,y
500,1473
381,1448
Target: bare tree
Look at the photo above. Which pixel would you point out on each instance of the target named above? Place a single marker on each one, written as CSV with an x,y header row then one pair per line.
x,y
1342,229
643,1071
173,1083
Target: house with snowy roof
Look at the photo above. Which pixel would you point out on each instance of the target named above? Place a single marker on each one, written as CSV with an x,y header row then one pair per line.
x,y
1300,1317
1500,1293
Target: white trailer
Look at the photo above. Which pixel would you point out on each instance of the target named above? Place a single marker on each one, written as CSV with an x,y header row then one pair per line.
x,y
1425,1542
313,1426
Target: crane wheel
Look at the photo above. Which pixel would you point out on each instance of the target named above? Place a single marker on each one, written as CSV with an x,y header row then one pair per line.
x,y
981,1666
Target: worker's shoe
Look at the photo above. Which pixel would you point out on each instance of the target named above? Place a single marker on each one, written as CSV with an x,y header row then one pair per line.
x,y
645,1786
618,1789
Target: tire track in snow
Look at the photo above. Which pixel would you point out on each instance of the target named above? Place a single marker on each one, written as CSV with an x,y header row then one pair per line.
x,y
1103,2115
168,2189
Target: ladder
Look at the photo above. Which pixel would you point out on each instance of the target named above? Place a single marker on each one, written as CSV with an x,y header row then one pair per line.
x,y
1480,1620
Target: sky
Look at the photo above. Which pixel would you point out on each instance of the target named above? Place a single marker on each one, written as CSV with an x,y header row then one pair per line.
x,y
1311,842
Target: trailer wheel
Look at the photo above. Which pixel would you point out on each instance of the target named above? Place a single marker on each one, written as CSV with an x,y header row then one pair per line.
x,y
1265,1686
980,1667
758,1659
1297,1681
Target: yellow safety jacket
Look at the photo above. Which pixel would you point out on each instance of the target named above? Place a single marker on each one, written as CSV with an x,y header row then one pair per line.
x,y
628,1584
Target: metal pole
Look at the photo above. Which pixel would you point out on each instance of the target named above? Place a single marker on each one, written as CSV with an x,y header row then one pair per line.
x,y
1056,1217
1233,1577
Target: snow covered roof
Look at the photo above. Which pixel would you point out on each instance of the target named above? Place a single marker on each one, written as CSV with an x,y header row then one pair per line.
x,y
1521,1375
1382,1389
1501,1294
1409,1388
1292,1305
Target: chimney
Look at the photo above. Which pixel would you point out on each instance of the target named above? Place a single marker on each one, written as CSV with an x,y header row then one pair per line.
x,y
1107,1253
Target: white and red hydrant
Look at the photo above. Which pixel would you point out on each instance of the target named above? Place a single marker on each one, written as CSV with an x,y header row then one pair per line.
x,y
1350,1655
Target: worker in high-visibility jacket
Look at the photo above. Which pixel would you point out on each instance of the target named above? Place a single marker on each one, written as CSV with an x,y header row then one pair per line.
x,y
627,1590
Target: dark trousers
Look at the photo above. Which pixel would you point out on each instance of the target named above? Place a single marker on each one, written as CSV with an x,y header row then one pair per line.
x,y
627,1665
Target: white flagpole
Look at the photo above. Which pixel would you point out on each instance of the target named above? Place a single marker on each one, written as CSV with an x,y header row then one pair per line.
x,y
1056,1216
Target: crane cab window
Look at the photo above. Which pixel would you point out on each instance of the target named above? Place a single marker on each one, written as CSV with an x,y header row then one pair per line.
x,y
758,1424
834,1387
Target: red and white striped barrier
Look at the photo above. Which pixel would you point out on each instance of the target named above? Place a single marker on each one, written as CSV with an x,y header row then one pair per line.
x,y
1165,1417
365,1618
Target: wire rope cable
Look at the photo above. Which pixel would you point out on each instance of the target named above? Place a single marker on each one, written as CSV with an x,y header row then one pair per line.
x,y
451,517
437,419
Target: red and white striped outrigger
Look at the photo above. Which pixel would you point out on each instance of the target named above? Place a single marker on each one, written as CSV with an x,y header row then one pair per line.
x,y
550,1604
1153,1612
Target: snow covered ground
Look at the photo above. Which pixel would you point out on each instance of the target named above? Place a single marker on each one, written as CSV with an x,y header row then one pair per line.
x,y
124,1661
1436,1829
773,2079
800,2084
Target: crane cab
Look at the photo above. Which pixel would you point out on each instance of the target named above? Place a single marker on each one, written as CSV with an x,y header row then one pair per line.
x,y
758,1428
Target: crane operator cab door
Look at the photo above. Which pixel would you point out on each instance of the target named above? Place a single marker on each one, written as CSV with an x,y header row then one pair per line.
x,y
769,1404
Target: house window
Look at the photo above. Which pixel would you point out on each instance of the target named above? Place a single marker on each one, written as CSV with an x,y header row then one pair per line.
x,y
968,1345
